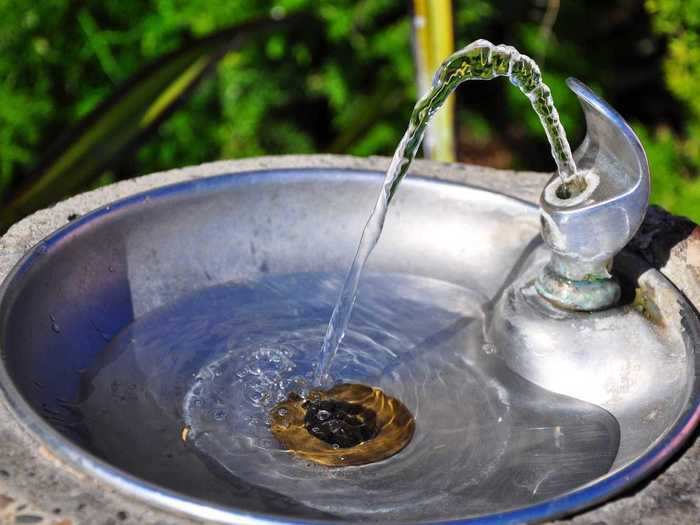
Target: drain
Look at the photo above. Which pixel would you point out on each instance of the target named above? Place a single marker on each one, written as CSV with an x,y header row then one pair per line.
x,y
350,424
340,423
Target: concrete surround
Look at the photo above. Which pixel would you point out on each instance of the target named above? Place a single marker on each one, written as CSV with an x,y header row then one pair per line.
x,y
35,487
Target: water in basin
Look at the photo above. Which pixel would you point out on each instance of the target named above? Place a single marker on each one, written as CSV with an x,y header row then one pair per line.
x,y
198,376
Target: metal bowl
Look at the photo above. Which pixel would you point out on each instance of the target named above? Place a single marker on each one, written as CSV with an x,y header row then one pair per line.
x,y
73,292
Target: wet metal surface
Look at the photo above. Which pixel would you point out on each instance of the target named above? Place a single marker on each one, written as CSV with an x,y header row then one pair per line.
x,y
78,289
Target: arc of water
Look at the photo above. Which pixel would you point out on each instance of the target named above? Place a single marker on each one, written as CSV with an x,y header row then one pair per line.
x,y
480,60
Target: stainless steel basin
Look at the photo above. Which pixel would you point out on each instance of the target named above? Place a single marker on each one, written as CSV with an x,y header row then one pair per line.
x,y
75,291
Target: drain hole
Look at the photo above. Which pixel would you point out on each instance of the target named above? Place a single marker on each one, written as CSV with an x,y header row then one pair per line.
x,y
563,192
340,423
348,425
571,188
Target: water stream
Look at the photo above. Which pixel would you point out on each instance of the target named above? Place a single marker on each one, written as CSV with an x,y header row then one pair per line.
x,y
480,60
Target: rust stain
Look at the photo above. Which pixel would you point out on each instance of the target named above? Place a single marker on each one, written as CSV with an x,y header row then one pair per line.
x,y
48,456
695,234
63,522
645,303
5,501
693,249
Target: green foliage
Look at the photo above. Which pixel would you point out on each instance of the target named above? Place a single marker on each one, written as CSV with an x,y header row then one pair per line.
x,y
292,93
124,118
675,157
344,82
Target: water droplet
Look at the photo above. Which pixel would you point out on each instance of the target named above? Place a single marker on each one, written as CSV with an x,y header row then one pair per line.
x,y
282,412
111,269
54,325
323,415
219,415
254,395
335,446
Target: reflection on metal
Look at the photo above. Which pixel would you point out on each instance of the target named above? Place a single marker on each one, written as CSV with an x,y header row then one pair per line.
x,y
586,228
433,42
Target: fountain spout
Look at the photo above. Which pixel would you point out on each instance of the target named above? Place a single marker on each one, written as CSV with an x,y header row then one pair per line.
x,y
591,218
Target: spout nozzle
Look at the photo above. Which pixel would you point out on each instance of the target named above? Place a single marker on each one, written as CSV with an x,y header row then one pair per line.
x,y
591,216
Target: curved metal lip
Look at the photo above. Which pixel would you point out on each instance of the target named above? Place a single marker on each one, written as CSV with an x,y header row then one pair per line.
x,y
586,496
585,94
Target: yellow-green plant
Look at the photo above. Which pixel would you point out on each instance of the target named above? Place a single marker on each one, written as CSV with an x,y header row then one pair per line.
x,y
123,119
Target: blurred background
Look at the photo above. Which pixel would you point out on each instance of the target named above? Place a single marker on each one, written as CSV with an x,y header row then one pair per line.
x,y
93,91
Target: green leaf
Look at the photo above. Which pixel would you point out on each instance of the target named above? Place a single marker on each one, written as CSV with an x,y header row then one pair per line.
x,y
124,119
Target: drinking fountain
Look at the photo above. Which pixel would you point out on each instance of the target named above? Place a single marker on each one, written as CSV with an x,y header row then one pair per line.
x,y
575,357
598,215
563,323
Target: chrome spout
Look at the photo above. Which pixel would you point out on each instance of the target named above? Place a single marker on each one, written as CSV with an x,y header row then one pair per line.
x,y
588,221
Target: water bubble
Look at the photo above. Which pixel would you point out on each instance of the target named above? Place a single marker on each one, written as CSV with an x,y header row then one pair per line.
x,y
255,394
282,412
254,370
295,384
322,415
335,446
219,415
